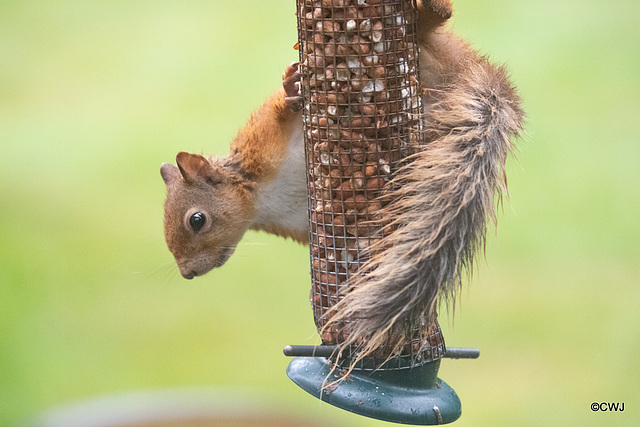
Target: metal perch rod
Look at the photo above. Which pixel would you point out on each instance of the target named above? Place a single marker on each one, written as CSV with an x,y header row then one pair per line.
x,y
328,351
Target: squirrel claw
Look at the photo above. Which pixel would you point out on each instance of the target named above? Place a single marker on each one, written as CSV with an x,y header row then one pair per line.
x,y
291,85
291,79
294,103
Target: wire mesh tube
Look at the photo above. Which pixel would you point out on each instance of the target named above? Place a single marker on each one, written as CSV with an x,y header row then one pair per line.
x,y
359,67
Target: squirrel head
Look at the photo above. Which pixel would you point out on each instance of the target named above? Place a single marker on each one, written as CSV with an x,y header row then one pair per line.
x,y
206,213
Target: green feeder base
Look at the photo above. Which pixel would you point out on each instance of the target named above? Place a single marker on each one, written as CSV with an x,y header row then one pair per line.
x,y
407,396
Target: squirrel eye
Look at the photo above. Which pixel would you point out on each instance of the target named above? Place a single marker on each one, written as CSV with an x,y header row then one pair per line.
x,y
197,221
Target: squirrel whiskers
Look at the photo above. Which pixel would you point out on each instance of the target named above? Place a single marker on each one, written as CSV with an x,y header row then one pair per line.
x,y
443,198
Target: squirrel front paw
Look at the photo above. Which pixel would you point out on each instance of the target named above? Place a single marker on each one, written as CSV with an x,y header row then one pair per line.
x,y
291,85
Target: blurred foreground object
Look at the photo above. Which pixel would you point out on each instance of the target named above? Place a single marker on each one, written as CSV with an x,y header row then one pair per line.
x,y
190,407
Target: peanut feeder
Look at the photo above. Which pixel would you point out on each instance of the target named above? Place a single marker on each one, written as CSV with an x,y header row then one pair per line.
x,y
362,112
362,108
359,65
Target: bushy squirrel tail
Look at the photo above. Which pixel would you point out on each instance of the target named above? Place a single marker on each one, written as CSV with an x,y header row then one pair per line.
x,y
443,199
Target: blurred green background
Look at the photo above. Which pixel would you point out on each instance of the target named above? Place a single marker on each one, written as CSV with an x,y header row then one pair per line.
x,y
94,95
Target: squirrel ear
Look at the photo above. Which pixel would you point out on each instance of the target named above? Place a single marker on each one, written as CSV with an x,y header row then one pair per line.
x,y
195,167
169,173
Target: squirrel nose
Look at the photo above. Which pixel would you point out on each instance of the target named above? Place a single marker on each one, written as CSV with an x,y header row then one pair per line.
x,y
188,274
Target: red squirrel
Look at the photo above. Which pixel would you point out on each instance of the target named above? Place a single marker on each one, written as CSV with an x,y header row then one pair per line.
x,y
447,195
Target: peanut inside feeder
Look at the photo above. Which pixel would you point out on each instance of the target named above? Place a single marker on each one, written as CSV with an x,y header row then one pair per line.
x,y
359,67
